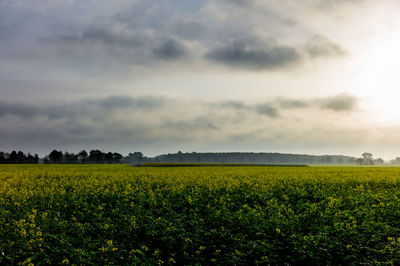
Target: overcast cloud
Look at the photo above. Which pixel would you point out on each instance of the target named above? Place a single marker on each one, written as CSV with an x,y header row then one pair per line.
x,y
161,76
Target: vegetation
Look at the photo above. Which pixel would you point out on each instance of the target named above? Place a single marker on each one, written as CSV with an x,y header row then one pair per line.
x,y
18,158
109,214
194,158
214,164
94,157
239,157
58,157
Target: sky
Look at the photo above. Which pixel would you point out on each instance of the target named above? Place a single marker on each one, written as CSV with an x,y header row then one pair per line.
x,y
305,76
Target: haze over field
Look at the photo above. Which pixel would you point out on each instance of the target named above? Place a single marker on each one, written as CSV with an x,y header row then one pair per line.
x,y
306,76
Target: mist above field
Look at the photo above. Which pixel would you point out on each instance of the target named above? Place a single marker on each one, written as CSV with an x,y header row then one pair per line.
x,y
309,76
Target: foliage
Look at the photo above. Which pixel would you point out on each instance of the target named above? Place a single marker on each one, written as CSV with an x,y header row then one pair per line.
x,y
18,158
94,157
109,214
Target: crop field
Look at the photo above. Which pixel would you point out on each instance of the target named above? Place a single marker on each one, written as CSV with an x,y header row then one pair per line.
x,y
119,214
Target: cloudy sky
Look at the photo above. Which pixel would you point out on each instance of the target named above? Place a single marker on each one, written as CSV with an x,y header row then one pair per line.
x,y
305,76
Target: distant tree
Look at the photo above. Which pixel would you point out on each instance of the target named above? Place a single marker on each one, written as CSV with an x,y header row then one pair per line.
x,y
360,161
329,159
3,158
367,158
83,156
96,156
70,158
135,157
117,157
30,158
21,158
396,160
13,157
108,157
36,158
17,158
46,160
351,160
56,156
379,161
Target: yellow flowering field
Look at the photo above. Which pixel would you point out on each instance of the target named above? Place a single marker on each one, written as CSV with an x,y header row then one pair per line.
x,y
119,214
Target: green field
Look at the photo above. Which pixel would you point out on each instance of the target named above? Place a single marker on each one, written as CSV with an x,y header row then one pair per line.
x,y
214,164
118,214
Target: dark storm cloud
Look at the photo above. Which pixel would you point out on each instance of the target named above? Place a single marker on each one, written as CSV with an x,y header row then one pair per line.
x,y
95,38
339,103
254,53
259,54
82,108
107,35
170,50
110,115
118,44
18,109
68,50
110,43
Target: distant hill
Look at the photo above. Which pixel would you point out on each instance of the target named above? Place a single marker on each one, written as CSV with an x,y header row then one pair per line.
x,y
240,157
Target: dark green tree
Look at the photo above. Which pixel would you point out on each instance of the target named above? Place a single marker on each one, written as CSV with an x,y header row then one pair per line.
x,y
96,156
108,157
56,156
117,157
83,156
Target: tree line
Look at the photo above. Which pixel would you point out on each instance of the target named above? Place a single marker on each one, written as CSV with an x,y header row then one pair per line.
x,y
59,157
99,157
19,157
239,157
367,159
93,157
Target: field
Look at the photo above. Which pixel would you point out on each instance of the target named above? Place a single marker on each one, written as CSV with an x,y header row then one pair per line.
x,y
118,214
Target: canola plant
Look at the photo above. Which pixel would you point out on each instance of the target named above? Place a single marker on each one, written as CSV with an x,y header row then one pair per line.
x,y
119,214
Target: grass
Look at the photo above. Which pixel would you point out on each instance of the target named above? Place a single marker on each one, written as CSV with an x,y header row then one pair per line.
x,y
214,164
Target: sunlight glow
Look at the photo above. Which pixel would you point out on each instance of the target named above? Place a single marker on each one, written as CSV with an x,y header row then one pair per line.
x,y
379,75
